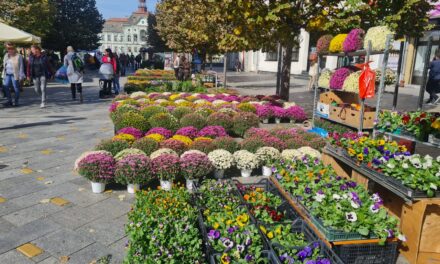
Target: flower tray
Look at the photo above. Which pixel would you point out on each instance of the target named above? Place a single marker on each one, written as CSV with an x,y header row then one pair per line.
x,y
298,226
368,253
333,235
326,252
265,184
290,215
267,255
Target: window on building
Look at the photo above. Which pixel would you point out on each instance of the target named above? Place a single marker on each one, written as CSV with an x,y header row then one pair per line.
x,y
129,49
121,38
115,38
135,49
143,35
109,37
129,38
273,56
135,38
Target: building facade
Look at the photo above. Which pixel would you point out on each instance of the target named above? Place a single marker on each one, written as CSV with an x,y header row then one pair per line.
x,y
126,35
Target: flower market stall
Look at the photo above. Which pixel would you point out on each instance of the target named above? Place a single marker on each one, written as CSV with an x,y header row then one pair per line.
x,y
194,162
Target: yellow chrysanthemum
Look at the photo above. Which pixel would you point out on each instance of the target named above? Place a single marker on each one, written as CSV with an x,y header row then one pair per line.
x,y
336,43
174,97
203,138
186,140
157,137
125,137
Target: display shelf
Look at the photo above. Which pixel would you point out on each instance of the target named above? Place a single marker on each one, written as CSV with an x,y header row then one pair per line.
x,y
407,194
352,54
409,138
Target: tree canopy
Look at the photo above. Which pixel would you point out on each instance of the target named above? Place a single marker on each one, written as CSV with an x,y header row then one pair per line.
x,y
33,16
77,23
154,40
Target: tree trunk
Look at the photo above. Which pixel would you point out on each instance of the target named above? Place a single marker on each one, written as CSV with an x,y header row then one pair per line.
x,y
285,72
225,70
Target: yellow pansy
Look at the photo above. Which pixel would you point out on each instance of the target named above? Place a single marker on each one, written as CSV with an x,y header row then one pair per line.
x,y
270,235
278,230
229,222
263,229
216,225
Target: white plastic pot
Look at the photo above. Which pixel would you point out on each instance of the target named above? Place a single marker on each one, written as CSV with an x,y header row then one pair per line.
x,y
266,121
132,188
219,174
98,187
246,173
191,184
165,185
267,171
278,120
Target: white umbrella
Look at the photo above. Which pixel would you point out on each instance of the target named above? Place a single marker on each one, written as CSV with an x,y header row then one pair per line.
x,y
11,34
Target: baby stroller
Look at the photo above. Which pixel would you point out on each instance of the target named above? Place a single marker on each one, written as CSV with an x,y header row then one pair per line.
x,y
106,72
104,93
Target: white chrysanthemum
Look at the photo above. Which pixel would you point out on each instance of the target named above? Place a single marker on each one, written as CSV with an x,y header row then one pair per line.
x,y
159,101
289,104
324,78
124,153
218,102
310,151
137,95
180,101
378,36
351,84
221,159
267,155
201,101
245,160
167,93
290,154
163,151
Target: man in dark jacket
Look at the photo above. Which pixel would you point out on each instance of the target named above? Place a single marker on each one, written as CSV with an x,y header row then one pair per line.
x,y
433,85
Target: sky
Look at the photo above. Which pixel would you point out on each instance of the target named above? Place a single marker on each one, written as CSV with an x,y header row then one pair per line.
x,y
121,8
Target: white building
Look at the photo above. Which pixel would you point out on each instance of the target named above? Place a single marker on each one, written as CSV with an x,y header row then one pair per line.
x,y
258,61
126,35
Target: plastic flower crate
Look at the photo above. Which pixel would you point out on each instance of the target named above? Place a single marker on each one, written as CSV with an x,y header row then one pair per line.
x,y
264,184
267,255
333,235
290,215
368,253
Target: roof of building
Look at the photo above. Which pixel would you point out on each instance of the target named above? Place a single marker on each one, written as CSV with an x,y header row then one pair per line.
x,y
116,25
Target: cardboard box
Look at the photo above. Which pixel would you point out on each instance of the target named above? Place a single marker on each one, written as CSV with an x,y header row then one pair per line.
x,y
323,110
351,117
339,98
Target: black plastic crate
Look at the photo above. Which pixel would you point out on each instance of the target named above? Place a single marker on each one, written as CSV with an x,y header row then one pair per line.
x,y
268,255
368,253
325,252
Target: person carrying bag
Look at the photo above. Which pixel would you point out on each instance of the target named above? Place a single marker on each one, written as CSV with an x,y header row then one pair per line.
x,y
108,69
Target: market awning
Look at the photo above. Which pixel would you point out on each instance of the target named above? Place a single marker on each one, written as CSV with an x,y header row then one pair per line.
x,y
15,35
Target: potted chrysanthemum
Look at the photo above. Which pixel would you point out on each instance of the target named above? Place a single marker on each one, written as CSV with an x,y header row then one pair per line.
x,y
267,156
246,162
166,167
194,166
98,167
133,170
222,160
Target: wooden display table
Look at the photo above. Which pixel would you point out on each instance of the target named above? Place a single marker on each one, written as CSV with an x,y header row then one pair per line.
x,y
419,217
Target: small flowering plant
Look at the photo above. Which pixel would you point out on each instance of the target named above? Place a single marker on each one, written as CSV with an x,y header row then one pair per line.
x,y
133,169
161,131
189,131
221,159
296,113
217,196
166,167
279,112
131,131
213,132
245,160
125,137
267,155
195,165
264,112
97,166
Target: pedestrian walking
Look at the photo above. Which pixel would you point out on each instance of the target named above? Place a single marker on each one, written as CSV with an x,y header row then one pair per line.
x,y
39,70
138,60
237,65
116,85
186,67
108,69
176,66
75,72
313,74
124,63
433,85
13,73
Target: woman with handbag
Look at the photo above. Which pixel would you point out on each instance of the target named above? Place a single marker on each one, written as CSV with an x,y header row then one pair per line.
x,y
108,69
13,73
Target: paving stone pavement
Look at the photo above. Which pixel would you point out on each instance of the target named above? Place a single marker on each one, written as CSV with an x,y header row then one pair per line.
x,y
48,141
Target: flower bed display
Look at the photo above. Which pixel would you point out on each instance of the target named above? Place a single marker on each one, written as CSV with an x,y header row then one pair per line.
x,y
156,225
392,160
340,208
